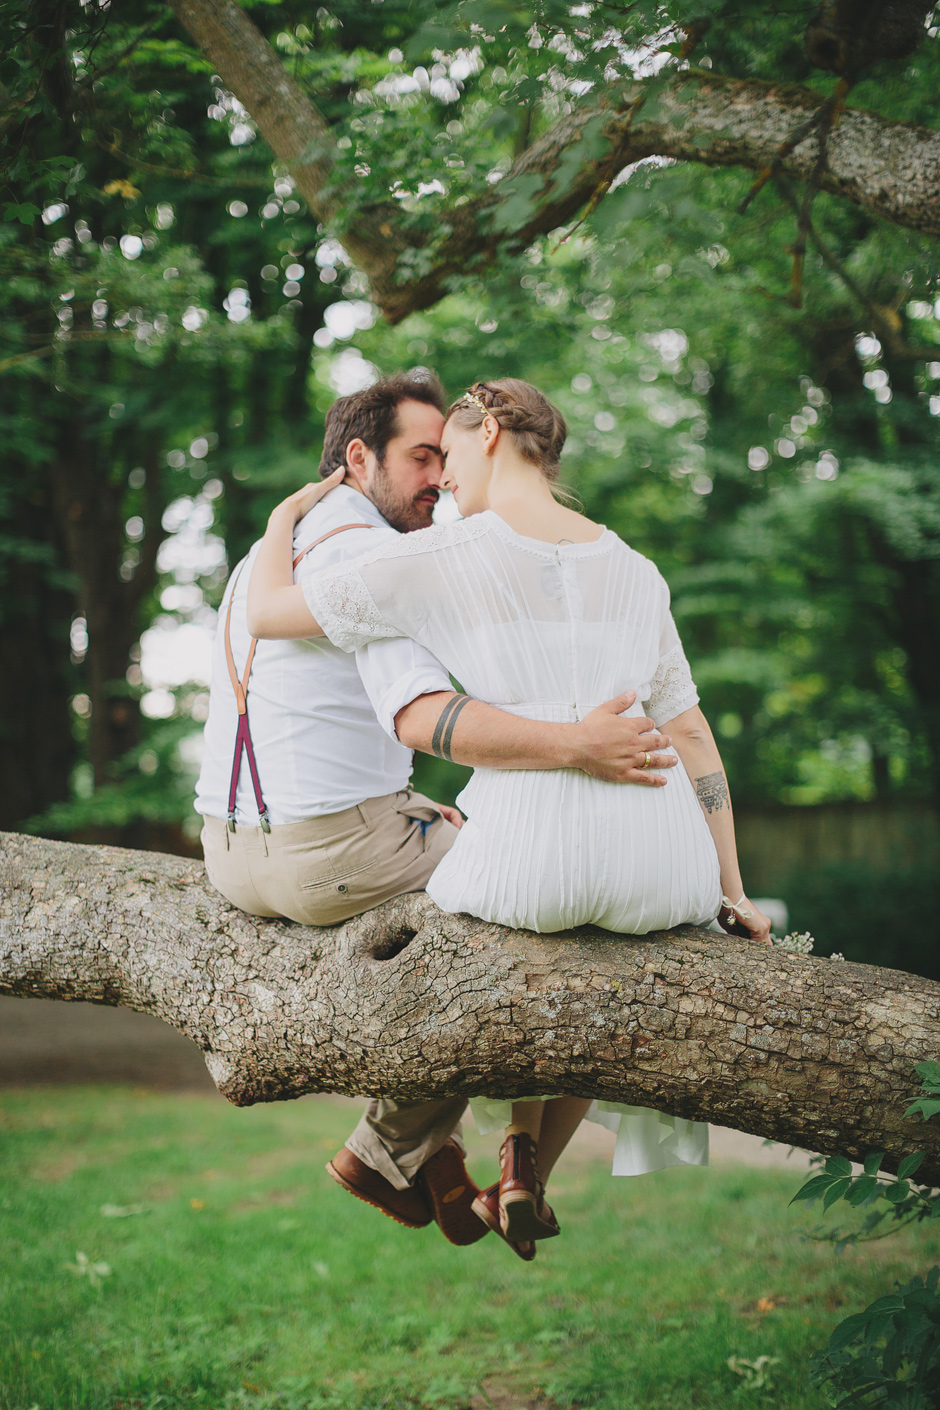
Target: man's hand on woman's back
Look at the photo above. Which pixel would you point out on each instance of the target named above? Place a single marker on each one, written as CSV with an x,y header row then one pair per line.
x,y
621,748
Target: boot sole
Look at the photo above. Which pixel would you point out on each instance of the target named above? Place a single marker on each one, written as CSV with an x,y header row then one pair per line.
x,y
519,1221
524,1251
451,1193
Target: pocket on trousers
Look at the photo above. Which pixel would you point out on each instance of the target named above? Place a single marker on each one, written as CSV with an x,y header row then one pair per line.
x,y
308,865
336,877
339,860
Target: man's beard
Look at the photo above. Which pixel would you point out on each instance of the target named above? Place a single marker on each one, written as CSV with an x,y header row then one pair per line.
x,y
404,513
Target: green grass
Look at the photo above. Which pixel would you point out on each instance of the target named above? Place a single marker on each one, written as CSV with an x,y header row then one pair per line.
x,y
250,1280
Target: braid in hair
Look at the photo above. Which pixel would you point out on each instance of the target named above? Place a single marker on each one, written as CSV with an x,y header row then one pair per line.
x,y
537,427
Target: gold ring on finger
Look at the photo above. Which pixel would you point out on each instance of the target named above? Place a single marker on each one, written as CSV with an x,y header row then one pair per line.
x,y
648,761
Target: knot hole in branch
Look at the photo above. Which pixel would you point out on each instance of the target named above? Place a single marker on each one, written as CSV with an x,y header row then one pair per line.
x,y
391,942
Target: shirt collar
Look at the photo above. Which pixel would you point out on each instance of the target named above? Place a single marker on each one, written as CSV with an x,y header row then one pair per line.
x,y
342,506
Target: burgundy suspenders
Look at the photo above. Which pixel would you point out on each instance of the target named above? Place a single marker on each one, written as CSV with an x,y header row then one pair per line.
x,y
243,735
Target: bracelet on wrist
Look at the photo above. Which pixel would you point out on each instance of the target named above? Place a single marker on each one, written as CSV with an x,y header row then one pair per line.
x,y
737,907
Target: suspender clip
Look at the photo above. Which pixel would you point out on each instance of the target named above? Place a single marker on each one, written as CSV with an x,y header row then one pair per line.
x,y
263,818
231,821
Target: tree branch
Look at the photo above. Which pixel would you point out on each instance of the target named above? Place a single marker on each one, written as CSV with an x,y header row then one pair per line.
x,y
291,124
884,321
889,168
407,1002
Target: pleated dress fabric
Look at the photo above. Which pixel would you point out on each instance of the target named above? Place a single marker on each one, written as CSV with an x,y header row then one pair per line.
x,y
549,632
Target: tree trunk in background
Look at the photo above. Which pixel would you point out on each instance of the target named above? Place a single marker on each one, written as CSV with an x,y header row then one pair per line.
x,y
37,746
917,598
915,592
88,512
87,501
407,1002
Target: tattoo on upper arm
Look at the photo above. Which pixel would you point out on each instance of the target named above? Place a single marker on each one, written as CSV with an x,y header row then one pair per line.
x,y
444,729
712,790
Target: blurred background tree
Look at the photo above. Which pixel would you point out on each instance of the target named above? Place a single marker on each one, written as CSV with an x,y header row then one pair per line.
x,y
759,420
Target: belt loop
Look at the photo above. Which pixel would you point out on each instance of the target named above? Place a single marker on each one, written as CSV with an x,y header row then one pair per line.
x,y
264,839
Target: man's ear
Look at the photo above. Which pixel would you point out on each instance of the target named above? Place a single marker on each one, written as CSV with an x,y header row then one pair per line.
x,y
358,463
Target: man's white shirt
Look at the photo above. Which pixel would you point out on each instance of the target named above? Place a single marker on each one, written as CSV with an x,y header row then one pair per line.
x,y
321,721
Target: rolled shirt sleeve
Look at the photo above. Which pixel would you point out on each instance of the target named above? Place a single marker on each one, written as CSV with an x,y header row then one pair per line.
x,y
394,673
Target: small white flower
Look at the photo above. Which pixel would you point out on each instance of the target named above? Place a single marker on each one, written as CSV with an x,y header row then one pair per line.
x,y
84,1268
796,943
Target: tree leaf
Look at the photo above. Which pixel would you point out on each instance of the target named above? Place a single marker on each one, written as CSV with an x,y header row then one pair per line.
x,y
910,1163
847,1331
24,211
835,1192
862,1189
813,1188
929,1074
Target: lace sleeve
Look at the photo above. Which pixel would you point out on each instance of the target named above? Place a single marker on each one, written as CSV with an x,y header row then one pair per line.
x,y
672,688
345,608
385,592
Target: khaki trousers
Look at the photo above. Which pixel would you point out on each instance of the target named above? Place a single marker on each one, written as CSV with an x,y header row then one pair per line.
x,y
322,872
327,869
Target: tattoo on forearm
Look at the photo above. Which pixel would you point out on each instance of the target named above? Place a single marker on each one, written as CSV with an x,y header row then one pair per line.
x,y
444,729
712,790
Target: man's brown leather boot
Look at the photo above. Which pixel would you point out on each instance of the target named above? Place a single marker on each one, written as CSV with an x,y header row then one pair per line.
x,y
407,1207
450,1192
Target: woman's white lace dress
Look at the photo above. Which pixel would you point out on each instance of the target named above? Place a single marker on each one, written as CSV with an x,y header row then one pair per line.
x,y
549,632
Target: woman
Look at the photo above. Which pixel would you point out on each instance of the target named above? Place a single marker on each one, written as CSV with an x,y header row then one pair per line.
x,y
537,609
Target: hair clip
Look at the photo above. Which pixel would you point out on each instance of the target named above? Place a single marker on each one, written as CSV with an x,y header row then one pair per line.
x,y
476,401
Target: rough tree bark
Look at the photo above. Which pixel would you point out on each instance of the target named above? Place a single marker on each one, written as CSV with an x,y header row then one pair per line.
x,y
888,168
408,1002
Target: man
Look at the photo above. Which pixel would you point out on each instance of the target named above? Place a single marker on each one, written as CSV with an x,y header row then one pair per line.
x,y
322,825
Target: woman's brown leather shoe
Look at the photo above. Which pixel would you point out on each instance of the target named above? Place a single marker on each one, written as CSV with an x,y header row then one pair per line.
x,y
523,1213
486,1207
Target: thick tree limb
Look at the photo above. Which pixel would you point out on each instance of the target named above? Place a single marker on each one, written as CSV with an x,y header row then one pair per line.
x,y
411,1003
289,121
891,169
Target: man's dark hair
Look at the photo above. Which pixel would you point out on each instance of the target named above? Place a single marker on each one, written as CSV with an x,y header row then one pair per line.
x,y
372,415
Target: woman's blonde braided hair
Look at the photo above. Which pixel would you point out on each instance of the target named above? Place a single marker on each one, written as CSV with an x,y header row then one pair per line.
x,y
537,427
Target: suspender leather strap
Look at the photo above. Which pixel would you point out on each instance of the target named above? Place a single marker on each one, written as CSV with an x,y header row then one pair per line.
x,y
243,742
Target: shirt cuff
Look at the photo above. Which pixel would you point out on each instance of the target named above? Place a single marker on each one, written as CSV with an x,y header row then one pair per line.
x,y
421,681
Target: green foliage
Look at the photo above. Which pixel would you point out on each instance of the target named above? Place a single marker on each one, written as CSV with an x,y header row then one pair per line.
x,y
888,1354
929,1104
151,783
879,912
743,444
